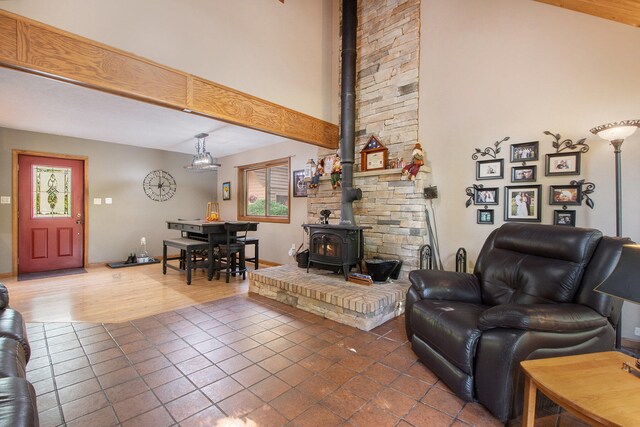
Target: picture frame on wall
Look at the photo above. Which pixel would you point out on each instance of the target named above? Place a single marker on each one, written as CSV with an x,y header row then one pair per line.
x,y
524,174
565,195
564,217
522,203
490,169
524,152
485,216
299,186
562,164
226,191
486,196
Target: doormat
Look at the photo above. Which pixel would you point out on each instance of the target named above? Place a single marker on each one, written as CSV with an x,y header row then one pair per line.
x,y
54,273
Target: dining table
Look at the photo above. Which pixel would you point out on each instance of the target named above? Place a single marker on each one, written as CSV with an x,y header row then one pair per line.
x,y
213,232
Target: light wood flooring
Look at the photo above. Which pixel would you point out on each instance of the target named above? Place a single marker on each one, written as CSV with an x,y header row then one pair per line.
x,y
106,295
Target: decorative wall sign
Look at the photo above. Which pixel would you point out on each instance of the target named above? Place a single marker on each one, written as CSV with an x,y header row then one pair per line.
x,y
51,192
522,203
562,164
159,185
524,173
525,152
567,144
489,151
565,195
490,169
374,155
564,217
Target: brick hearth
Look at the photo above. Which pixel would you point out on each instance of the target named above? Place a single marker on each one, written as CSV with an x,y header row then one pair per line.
x,y
329,295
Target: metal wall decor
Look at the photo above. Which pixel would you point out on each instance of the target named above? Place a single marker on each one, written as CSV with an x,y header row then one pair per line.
x,y
587,188
489,151
159,185
567,144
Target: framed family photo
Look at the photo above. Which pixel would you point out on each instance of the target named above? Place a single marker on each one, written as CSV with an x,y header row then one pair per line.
x,y
562,217
299,186
525,152
485,216
522,203
524,173
565,195
490,169
562,164
486,196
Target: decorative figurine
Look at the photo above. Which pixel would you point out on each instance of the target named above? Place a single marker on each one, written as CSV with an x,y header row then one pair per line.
x,y
336,173
417,160
315,179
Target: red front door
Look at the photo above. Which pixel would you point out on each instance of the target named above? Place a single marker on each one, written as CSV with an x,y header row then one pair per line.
x,y
50,213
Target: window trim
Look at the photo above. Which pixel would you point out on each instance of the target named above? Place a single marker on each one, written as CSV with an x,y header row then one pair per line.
x,y
241,191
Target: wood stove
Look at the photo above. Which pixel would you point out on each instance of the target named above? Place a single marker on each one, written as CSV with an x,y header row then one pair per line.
x,y
335,246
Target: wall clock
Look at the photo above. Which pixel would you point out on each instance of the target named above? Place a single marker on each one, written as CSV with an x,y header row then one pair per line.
x,y
159,185
374,155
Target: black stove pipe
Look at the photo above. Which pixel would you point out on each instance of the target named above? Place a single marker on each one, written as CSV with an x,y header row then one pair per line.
x,y
348,110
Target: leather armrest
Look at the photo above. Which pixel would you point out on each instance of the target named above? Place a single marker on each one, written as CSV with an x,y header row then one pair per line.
x,y
4,297
541,317
446,285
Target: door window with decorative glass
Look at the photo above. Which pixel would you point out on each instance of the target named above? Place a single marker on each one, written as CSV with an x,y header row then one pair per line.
x,y
51,192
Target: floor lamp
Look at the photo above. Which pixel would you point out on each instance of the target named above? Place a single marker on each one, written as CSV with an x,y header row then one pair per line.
x,y
615,133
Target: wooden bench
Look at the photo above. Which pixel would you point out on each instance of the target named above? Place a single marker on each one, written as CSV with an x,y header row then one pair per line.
x,y
188,247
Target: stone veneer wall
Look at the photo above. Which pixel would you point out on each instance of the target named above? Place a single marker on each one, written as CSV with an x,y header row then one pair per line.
x,y
394,208
387,107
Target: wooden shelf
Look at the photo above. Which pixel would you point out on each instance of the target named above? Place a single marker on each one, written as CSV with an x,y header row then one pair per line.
x,y
398,171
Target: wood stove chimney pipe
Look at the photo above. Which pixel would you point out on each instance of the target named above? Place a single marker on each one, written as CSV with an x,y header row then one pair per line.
x,y
348,110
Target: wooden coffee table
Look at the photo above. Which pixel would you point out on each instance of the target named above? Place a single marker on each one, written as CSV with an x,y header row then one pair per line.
x,y
593,387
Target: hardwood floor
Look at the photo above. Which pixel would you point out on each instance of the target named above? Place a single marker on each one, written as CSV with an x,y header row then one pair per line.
x,y
106,295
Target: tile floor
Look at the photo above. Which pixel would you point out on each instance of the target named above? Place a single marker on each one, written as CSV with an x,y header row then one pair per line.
x,y
241,361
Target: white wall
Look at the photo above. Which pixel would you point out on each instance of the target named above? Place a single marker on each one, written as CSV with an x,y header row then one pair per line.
x,y
516,68
275,239
115,171
279,52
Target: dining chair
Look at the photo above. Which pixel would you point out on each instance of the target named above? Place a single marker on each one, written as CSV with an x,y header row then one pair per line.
x,y
232,252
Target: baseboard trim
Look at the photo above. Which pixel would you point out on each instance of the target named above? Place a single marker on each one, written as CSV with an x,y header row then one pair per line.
x,y
269,263
629,343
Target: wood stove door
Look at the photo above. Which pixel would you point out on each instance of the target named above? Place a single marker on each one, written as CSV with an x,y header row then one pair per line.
x,y
326,248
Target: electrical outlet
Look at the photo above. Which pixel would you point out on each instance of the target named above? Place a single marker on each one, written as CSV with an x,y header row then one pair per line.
x,y
636,332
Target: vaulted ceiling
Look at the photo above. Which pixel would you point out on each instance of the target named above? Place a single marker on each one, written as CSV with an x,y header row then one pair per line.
x,y
625,11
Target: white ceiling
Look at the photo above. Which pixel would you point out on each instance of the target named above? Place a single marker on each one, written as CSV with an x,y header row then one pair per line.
x,y
39,104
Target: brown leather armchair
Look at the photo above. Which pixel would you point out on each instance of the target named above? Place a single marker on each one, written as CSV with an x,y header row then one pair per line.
x,y
530,297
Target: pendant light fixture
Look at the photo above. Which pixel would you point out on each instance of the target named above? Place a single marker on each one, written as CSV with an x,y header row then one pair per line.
x,y
202,161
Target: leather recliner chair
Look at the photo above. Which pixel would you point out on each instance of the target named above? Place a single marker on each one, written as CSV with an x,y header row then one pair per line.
x,y
530,297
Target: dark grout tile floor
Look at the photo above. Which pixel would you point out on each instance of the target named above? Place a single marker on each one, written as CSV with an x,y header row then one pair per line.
x,y
241,361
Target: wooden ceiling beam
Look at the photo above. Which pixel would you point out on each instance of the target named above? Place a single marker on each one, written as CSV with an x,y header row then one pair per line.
x,y
38,48
624,11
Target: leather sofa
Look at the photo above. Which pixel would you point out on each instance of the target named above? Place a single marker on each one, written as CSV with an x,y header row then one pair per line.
x,y
17,396
530,297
